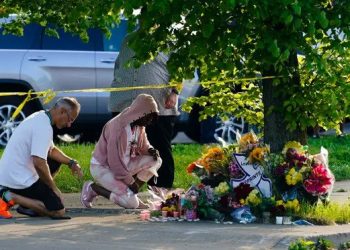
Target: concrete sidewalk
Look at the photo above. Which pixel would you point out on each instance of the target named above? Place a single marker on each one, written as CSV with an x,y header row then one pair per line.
x,y
109,227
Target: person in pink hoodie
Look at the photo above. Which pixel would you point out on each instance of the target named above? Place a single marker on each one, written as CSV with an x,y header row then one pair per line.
x,y
123,159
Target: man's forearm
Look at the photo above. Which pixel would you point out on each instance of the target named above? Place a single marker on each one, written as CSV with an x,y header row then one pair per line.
x,y
57,155
44,175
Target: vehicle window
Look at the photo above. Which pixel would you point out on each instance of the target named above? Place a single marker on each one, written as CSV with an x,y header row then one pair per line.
x,y
29,40
67,41
114,42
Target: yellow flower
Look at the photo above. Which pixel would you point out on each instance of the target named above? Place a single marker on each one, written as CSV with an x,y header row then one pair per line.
x,y
242,201
253,198
292,206
293,177
222,188
248,138
279,203
212,157
295,145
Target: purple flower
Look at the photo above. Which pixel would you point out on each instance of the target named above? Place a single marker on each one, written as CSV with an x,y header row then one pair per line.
x,y
234,170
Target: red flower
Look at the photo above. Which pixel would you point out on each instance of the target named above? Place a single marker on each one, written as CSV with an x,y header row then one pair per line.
x,y
320,180
190,168
242,191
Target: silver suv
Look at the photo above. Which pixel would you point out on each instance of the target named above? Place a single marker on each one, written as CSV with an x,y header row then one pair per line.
x,y
39,62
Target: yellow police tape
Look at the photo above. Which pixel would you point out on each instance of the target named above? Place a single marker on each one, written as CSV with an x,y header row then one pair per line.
x,y
49,94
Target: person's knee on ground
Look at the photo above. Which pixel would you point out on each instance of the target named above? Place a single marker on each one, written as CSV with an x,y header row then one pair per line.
x,y
36,205
125,200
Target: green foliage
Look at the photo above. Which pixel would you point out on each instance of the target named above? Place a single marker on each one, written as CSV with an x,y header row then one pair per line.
x,y
303,244
345,245
229,39
329,214
338,150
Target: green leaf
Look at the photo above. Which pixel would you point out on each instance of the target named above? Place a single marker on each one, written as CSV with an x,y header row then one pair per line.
x,y
208,30
296,8
273,48
285,55
287,18
231,4
323,20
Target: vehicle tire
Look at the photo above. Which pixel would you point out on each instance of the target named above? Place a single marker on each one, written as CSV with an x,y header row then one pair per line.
x,y
222,131
8,105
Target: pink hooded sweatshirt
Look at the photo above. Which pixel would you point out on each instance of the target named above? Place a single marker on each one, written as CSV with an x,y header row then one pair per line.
x,y
112,144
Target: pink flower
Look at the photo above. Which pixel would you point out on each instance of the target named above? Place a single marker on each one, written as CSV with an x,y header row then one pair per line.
x,y
320,180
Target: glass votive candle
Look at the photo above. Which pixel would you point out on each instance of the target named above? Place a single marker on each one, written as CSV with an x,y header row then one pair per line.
x,y
145,215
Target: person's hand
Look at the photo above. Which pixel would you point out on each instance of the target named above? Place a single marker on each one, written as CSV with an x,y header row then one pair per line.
x,y
170,101
76,171
134,187
154,152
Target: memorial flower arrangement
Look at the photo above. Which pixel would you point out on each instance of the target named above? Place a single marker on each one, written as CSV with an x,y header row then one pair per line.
x,y
247,178
250,145
299,175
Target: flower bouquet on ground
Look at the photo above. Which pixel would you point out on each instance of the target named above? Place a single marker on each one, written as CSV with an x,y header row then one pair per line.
x,y
235,178
298,175
250,145
211,168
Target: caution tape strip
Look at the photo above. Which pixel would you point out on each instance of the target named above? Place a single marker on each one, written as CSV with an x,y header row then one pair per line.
x,y
49,94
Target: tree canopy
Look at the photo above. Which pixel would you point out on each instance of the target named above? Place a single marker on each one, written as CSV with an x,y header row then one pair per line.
x,y
227,40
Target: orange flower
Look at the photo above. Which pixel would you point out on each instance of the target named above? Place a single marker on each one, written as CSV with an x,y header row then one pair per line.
x,y
257,155
248,138
215,154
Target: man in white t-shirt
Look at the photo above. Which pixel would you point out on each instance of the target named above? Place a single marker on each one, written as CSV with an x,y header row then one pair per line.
x,y
25,175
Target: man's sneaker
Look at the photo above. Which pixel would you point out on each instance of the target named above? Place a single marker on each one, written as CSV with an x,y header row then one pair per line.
x,y
4,210
87,195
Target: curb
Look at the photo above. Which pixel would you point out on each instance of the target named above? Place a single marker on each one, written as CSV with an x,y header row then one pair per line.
x,y
114,211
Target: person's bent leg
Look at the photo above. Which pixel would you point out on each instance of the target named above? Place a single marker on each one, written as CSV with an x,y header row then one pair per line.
x,y
40,198
120,194
36,205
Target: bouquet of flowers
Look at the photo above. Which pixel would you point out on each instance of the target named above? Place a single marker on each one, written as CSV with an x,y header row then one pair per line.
x,y
298,175
211,168
250,145
233,178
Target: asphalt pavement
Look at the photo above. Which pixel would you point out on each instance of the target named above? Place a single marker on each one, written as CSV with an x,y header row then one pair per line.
x,y
107,226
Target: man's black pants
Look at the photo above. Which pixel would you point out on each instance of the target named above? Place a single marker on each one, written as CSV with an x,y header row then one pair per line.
x,y
160,134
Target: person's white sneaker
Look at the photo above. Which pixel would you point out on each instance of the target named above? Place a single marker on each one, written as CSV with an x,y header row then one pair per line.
x,y
87,195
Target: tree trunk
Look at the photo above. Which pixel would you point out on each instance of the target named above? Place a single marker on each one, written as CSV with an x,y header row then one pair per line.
x,y
276,133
